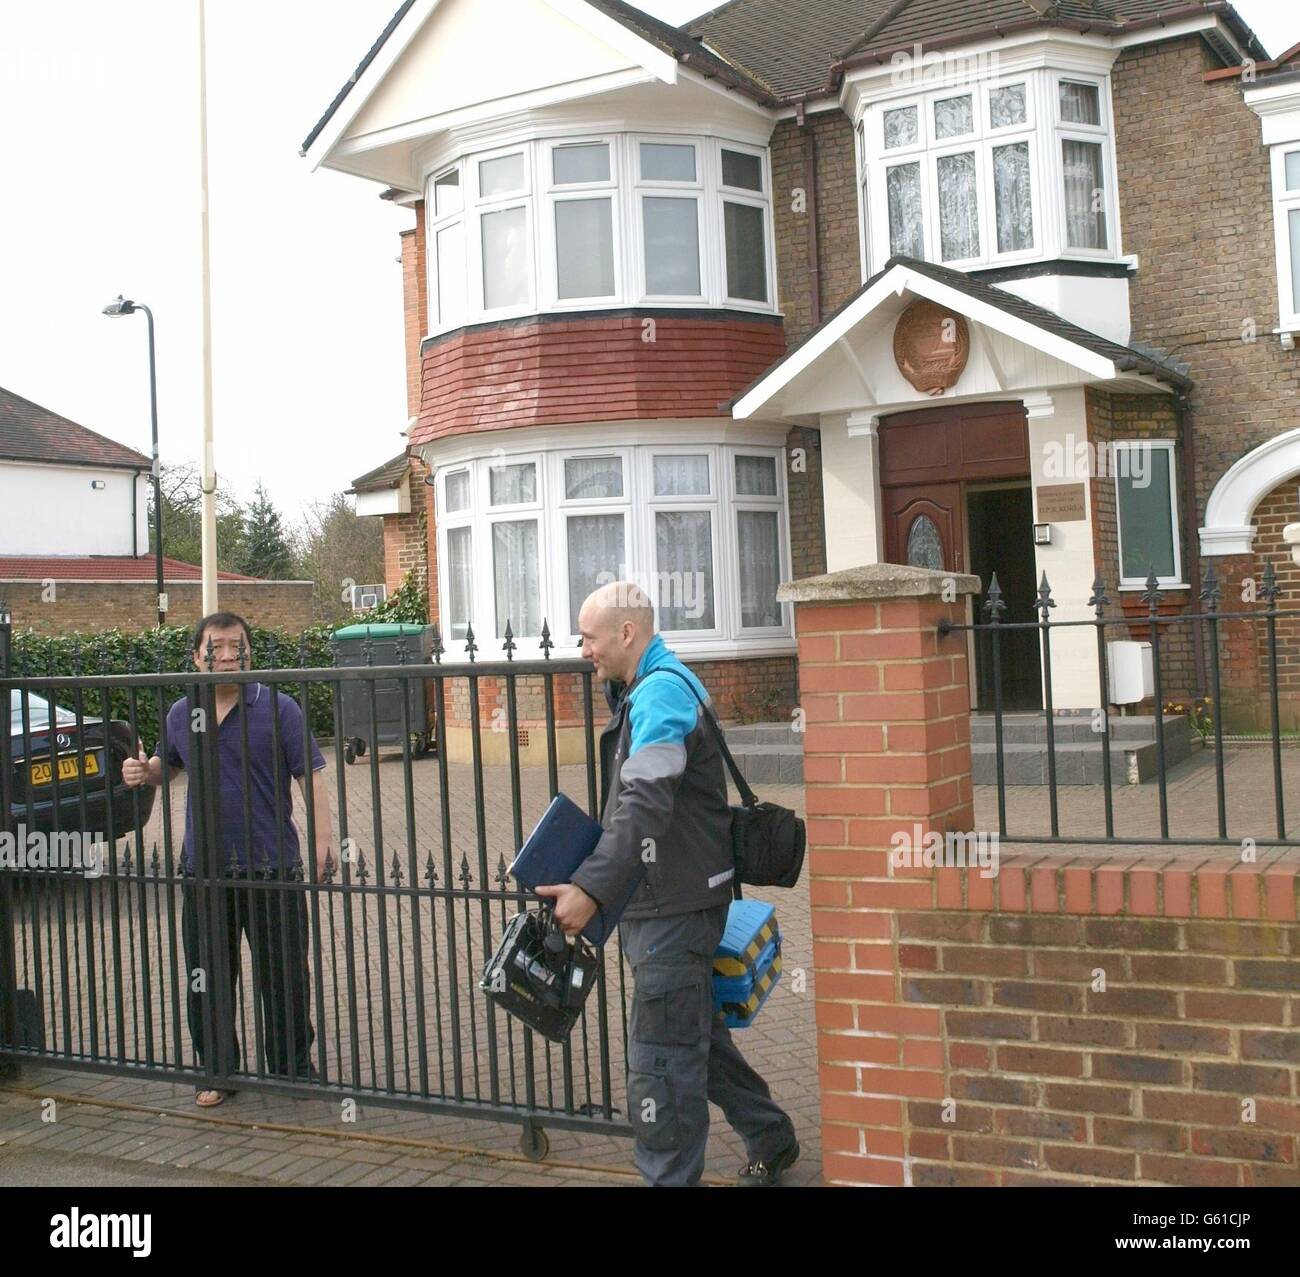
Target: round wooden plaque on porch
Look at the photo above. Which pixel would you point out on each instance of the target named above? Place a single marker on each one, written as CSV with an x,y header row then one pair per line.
x,y
931,346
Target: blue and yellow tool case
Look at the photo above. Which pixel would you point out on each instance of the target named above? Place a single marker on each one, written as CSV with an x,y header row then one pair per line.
x,y
747,963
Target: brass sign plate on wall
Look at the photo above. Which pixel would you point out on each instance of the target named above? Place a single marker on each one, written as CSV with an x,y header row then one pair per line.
x,y
1061,503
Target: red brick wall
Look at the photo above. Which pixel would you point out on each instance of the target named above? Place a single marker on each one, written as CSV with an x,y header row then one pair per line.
x,y
1055,1080
406,536
766,688
590,368
133,605
807,513
840,274
414,305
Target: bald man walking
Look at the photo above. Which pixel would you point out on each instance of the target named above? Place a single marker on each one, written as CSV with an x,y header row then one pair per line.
x,y
667,824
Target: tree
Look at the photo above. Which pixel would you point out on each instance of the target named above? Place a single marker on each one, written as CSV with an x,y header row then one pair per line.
x,y
183,519
264,549
336,546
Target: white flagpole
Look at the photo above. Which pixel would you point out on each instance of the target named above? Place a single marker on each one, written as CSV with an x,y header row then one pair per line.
x,y
209,489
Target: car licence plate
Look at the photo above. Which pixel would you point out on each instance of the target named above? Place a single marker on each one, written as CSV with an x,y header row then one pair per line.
x,y
69,769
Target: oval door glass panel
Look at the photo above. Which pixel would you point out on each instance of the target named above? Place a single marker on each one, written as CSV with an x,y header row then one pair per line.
x,y
924,548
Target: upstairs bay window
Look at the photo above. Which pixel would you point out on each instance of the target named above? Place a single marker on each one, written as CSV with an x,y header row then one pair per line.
x,y
1082,165
586,222
990,173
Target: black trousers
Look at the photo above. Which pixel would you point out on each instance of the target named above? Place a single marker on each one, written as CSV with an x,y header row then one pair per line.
x,y
275,922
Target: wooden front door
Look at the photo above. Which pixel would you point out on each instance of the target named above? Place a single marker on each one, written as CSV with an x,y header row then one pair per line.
x,y
927,459
923,526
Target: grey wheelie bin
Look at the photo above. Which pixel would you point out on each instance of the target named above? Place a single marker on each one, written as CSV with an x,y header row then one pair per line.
x,y
350,653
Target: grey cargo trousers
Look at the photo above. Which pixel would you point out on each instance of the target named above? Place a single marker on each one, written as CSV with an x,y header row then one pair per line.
x,y
680,1056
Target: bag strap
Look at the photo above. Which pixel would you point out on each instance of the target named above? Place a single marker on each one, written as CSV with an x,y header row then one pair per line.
x,y
747,795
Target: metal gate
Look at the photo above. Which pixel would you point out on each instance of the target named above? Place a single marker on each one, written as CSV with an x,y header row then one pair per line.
x,y
373,963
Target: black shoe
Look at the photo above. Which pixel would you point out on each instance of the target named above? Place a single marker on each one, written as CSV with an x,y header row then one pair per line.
x,y
768,1174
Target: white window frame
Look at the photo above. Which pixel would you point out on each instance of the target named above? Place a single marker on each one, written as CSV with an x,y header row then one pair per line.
x,y
1284,203
519,512
435,225
968,145
754,199
476,208
652,505
566,507
553,193
736,503
1103,135
447,521
1164,445
659,188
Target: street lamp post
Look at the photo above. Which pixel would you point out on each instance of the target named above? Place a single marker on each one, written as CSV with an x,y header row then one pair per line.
x,y
120,306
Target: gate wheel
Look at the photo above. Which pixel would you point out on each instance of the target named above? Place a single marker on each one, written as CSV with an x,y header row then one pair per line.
x,y
534,1143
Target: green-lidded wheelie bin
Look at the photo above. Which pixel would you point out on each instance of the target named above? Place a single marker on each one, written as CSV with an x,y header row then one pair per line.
x,y
359,729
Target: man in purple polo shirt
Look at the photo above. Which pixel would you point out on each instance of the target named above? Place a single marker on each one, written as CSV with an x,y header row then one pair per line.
x,y
257,839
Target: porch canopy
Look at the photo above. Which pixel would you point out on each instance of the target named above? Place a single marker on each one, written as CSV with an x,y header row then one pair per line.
x,y
844,378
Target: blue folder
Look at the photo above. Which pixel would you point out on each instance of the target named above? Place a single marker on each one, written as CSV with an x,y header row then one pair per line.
x,y
563,838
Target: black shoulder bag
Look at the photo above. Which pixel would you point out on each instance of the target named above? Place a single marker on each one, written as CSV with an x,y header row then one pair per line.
x,y
767,841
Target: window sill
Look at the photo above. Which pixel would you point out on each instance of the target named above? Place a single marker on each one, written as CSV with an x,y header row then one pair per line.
x,y
1164,589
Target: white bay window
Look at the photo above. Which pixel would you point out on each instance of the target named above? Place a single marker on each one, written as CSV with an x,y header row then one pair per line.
x,y
981,174
592,222
702,528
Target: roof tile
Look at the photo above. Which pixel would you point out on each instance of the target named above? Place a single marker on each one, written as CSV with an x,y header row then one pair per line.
x,y
29,432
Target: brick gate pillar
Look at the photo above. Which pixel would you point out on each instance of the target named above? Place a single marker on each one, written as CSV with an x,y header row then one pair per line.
x,y
886,752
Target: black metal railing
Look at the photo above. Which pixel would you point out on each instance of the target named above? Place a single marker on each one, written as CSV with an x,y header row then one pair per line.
x,y
1204,629
245,966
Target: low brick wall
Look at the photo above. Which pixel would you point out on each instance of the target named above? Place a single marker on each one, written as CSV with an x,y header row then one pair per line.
x,y
765,687
81,606
1080,1014
1131,1041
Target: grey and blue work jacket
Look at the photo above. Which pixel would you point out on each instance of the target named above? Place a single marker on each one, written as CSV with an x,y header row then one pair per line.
x,y
664,802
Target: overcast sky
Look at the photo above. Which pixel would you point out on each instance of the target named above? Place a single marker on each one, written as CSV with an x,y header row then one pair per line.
x,y
99,195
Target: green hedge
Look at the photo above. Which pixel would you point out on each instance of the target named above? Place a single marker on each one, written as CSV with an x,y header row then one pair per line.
x,y
162,651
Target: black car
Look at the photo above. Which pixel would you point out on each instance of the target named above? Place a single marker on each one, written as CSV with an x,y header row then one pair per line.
x,y
95,753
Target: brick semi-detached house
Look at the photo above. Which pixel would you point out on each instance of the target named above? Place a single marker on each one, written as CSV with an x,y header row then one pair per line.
x,y
794,288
